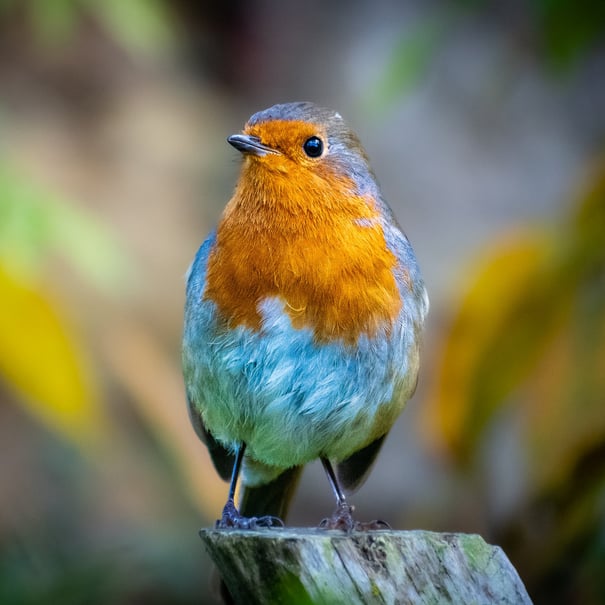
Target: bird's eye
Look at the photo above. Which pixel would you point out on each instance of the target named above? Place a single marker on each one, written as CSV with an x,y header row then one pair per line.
x,y
313,147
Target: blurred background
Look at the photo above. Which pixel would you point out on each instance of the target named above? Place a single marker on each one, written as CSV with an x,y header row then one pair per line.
x,y
485,122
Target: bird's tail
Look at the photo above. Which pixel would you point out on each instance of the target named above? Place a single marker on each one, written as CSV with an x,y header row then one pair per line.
x,y
272,498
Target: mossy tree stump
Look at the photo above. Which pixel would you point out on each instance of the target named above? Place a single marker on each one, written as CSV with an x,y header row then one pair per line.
x,y
302,566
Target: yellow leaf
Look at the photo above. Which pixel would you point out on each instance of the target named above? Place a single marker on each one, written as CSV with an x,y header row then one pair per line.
x,y
565,416
40,360
491,341
588,217
565,413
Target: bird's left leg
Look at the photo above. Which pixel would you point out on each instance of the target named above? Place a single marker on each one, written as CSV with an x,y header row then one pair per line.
x,y
342,517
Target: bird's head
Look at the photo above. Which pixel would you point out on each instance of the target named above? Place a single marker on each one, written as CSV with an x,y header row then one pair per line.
x,y
307,144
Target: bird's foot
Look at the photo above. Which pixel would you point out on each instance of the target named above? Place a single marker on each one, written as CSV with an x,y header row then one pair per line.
x,y
342,518
371,525
232,519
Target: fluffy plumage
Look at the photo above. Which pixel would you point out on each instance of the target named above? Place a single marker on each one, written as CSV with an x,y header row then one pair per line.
x,y
304,307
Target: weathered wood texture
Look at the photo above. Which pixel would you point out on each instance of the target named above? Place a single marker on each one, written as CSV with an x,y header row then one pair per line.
x,y
301,566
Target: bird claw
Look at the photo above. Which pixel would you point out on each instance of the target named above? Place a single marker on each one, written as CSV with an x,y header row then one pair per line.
x,y
232,519
374,525
265,521
342,519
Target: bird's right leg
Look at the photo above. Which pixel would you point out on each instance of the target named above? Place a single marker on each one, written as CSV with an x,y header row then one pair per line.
x,y
231,517
342,518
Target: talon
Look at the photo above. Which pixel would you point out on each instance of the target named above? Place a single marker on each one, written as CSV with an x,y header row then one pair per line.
x,y
375,525
232,519
266,521
342,518
230,516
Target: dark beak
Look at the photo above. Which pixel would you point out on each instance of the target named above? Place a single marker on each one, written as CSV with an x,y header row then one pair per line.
x,y
249,144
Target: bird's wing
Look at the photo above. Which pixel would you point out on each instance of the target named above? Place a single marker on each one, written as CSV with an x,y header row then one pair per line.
x,y
353,471
196,280
221,457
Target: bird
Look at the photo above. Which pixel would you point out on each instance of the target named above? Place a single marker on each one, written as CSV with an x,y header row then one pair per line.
x,y
303,318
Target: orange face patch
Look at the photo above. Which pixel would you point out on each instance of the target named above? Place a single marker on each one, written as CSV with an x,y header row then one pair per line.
x,y
295,230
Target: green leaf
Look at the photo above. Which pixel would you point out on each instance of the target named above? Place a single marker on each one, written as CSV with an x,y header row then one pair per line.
x,y
407,64
569,28
139,25
35,223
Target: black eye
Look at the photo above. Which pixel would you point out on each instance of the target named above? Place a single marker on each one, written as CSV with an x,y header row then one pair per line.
x,y
313,147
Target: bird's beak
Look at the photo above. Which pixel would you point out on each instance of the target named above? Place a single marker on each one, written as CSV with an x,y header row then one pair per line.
x,y
249,145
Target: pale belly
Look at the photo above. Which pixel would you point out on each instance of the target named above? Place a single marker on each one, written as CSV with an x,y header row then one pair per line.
x,y
289,398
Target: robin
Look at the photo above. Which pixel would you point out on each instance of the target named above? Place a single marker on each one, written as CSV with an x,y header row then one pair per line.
x,y
304,310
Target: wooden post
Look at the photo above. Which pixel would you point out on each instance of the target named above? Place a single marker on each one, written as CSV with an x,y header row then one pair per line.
x,y
297,566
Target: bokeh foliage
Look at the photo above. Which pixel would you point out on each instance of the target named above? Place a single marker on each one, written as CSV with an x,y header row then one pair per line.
x,y
529,334
527,337
142,26
41,355
569,29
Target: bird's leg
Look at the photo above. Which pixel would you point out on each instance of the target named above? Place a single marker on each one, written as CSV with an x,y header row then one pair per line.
x,y
342,517
231,517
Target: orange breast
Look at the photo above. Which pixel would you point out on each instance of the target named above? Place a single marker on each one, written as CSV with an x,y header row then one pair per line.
x,y
319,249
